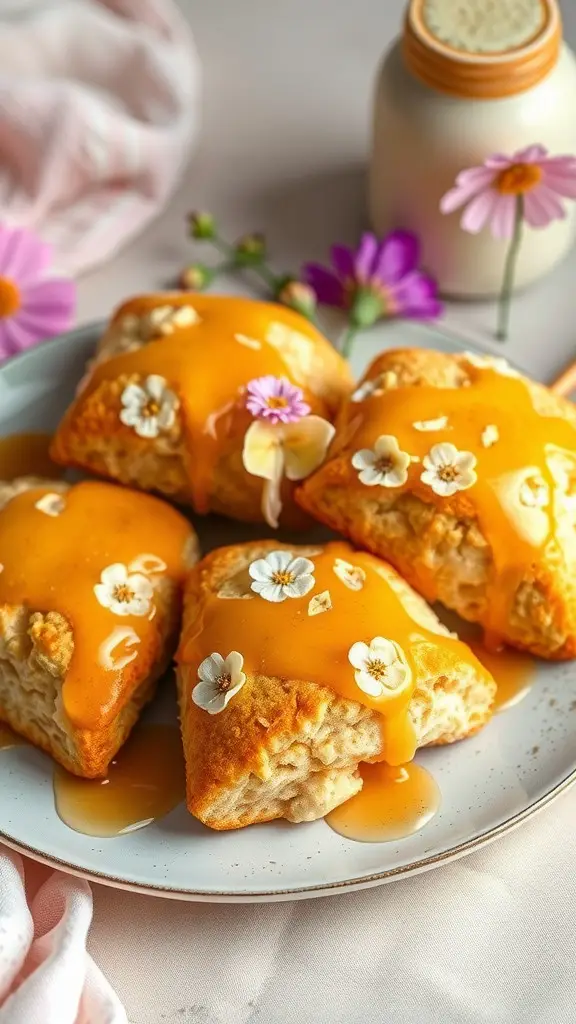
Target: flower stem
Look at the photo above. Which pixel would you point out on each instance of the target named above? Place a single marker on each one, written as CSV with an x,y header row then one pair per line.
x,y
505,301
351,332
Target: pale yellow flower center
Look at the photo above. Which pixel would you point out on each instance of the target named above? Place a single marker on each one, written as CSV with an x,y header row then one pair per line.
x,y
283,577
276,402
123,593
518,178
10,300
384,464
376,668
151,408
448,473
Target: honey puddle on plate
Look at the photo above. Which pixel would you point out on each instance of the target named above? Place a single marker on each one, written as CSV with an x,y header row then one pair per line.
x,y
145,781
8,738
513,671
392,804
27,455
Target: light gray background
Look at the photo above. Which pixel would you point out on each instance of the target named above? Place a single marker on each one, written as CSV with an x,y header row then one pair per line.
x,y
284,144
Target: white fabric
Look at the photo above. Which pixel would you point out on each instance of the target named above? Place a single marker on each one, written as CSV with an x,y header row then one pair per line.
x,y
489,939
98,111
46,976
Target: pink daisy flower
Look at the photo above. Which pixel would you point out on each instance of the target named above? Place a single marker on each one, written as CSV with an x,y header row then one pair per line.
x,y
276,400
33,307
489,193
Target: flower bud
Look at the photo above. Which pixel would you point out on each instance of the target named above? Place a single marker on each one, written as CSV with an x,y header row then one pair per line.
x,y
195,278
201,224
250,249
298,296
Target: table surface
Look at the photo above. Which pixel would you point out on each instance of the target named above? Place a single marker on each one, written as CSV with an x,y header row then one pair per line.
x,y
287,92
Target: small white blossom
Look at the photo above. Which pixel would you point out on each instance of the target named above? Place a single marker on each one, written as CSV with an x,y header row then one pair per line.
x,y
219,680
124,593
51,504
440,423
320,603
352,576
150,409
490,435
159,321
381,668
534,492
496,363
279,575
384,465
447,470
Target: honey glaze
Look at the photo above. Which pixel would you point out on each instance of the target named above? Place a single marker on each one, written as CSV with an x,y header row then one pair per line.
x,y
209,362
53,561
9,738
27,455
145,781
524,466
392,804
513,671
290,641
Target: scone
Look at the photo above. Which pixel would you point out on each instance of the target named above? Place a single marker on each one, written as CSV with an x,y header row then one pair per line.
x,y
90,595
298,663
462,473
215,401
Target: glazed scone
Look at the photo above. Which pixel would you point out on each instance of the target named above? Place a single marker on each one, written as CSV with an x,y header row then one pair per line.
x,y
284,689
90,595
215,401
462,473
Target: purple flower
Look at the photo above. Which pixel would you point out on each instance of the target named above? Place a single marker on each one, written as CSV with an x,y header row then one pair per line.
x,y
276,400
32,307
378,279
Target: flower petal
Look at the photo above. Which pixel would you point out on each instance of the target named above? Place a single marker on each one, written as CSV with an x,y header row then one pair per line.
x,y
114,575
300,566
262,449
147,427
365,257
343,260
133,394
384,649
363,459
559,174
235,663
300,586
203,693
503,217
398,255
23,256
279,560
541,206
416,296
156,386
469,184
48,305
368,684
274,592
211,668
260,570
358,654
479,211
329,290
530,154
305,445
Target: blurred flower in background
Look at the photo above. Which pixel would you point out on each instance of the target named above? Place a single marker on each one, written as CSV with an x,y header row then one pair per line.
x,y
33,306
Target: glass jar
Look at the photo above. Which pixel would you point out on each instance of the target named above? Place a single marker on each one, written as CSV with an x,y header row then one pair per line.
x,y
470,78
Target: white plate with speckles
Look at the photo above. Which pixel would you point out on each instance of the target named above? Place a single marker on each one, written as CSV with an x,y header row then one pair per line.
x,y
489,784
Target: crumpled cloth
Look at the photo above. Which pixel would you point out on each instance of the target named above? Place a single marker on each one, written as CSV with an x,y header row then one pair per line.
x,y
46,975
98,112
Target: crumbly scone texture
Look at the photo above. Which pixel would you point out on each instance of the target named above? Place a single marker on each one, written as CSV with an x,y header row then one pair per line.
x,y
92,437
289,748
444,554
36,648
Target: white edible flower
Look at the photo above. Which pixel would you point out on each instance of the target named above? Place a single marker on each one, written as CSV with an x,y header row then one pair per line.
x,y
51,504
490,435
534,492
381,668
107,656
219,680
447,470
440,423
151,408
496,363
384,465
320,603
369,389
159,321
352,576
279,575
124,593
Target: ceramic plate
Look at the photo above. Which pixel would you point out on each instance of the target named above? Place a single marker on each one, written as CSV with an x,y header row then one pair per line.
x,y
489,784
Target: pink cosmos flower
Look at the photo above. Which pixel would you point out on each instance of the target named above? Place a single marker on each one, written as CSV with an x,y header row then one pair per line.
x,y
276,400
490,192
32,307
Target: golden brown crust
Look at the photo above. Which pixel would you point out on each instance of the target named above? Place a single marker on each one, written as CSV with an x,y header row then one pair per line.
x,y
438,545
291,748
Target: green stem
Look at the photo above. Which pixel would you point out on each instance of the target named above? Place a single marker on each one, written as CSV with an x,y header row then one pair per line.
x,y
223,247
505,302
266,275
349,336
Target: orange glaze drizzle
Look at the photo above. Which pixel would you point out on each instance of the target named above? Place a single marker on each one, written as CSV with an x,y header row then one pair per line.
x,y
526,438
392,804
209,368
513,671
52,564
283,640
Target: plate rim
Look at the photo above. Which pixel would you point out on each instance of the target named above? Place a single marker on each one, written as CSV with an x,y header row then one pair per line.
x,y
300,892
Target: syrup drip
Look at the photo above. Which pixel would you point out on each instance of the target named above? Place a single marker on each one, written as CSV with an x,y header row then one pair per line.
x,y
513,671
145,781
27,455
392,804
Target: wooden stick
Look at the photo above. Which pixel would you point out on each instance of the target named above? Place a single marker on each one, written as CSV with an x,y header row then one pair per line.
x,y
566,382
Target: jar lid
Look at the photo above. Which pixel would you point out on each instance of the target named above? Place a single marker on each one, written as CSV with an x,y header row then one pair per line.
x,y
482,49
